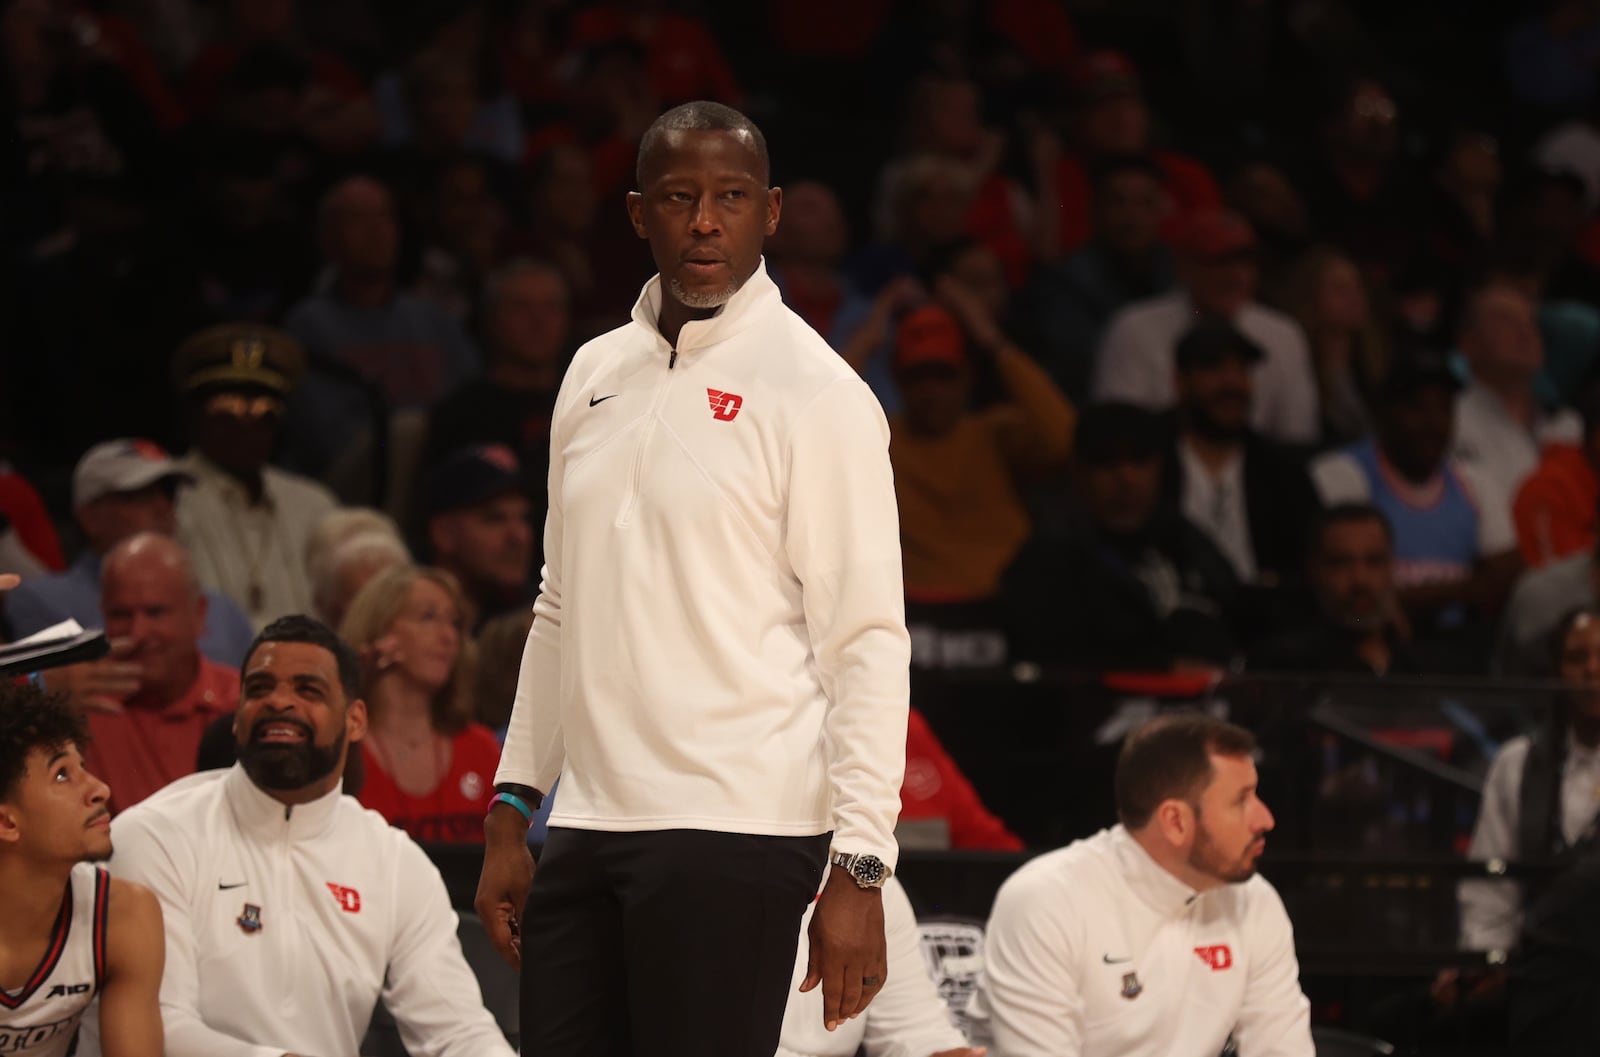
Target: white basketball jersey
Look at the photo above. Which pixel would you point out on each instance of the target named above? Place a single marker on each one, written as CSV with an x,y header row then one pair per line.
x,y
42,1018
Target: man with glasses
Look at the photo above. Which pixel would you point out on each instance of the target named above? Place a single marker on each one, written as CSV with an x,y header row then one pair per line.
x,y
245,523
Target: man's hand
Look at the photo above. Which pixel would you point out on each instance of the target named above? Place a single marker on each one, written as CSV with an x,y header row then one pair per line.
x,y
848,954
9,580
98,686
507,876
969,310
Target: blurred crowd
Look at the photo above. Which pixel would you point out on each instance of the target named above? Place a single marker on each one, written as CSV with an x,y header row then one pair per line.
x,y
1218,335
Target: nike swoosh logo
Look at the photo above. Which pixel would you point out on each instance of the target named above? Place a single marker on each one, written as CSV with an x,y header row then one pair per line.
x,y
593,400
223,888
1113,961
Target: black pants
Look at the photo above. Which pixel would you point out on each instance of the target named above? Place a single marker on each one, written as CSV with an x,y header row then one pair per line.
x,y
664,943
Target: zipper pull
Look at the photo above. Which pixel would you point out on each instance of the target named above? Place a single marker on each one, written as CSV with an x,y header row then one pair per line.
x,y
673,362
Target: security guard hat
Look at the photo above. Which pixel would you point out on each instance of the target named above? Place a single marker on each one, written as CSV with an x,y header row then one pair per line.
x,y
238,356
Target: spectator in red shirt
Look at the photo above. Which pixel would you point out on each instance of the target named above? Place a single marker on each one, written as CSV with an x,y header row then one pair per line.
x,y
1109,118
1555,508
935,788
429,768
154,613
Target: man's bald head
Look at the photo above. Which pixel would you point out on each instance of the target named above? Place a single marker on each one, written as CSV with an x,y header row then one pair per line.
x,y
154,613
150,553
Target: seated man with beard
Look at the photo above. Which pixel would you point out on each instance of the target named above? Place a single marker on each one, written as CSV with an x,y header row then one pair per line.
x,y
1154,936
289,909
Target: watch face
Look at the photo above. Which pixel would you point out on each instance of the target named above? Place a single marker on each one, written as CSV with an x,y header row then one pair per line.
x,y
868,869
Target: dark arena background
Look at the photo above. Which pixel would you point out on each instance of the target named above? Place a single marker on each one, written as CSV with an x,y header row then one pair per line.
x,y
1238,354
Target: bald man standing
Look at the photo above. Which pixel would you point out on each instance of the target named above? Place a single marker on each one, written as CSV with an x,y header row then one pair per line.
x,y
154,612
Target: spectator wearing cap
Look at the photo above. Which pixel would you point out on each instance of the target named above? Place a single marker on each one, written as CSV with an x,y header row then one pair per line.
x,y
478,529
1449,555
154,611
1108,118
1068,304
1555,509
1126,582
1218,273
1242,489
119,489
1501,424
526,330
1357,628
362,335
957,472
245,523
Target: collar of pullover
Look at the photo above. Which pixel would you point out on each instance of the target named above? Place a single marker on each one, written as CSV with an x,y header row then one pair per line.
x,y
745,307
258,813
1148,879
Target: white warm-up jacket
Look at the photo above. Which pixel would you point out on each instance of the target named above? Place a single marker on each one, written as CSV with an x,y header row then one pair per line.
x,y
719,641
285,925
1095,950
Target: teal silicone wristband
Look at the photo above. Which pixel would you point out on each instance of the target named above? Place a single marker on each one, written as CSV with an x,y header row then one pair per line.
x,y
514,801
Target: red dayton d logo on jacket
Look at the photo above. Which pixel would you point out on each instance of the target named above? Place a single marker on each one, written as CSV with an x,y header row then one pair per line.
x,y
349,899
724,406
1219,957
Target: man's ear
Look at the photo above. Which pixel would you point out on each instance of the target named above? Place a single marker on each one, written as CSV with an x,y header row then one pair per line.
x,y
774,209
10,824
1175,822
355,721
635,204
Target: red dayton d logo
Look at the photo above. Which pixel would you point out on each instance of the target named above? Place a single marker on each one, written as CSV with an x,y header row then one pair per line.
x,y
724,406
349,899
1219,957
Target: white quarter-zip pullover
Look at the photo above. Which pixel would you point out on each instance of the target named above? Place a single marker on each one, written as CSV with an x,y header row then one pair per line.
x,y
1094,950
284,926
720,637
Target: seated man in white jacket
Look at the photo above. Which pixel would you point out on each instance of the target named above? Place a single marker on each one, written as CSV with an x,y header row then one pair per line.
x,y
1154,937
907,1019
289,908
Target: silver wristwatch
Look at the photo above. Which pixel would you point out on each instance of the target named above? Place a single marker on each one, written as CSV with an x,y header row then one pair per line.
x,y
868,871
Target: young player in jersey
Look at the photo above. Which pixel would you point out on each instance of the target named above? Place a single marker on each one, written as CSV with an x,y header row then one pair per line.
x,y
68,932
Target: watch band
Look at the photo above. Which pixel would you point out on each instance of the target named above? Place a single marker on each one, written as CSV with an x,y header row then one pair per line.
x,y
866,870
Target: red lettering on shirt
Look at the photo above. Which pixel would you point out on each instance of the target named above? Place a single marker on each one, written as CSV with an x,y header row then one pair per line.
x,y
1218,956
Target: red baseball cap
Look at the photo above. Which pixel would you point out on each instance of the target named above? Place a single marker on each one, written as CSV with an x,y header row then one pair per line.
x,y
927,336
1215,232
